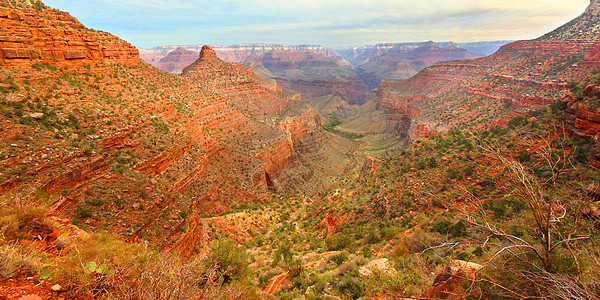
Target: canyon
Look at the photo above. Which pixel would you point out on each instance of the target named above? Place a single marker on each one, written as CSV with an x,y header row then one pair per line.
x,y
321,75
477,93
264,171
82,113
402,61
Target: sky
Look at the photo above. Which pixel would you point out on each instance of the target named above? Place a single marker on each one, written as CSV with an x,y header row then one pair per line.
x,y
332,23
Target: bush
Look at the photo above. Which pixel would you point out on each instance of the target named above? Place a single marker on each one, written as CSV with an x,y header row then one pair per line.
x,y
350,286
338,242
420,240
406,282
229,260
107,253
339,258
24,222
83,212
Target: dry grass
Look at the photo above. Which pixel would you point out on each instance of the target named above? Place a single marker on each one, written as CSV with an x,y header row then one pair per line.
x,y
16,259
24,222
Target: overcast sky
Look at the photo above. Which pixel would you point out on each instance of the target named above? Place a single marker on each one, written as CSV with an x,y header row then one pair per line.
x,y
148,23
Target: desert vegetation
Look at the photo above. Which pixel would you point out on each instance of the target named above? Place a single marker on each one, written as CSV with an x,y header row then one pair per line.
x,y
522,218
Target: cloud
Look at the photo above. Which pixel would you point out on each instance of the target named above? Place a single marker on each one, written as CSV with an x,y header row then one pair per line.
x,y
148,23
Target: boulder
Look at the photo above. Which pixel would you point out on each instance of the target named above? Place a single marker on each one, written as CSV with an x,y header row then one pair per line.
x,y
381,265
448,283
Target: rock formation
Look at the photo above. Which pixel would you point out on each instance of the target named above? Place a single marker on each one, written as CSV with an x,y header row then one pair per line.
x,y
311,74
449,283
33,36
584,117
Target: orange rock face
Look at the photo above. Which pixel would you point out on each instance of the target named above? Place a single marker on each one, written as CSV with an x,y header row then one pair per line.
x,y
449,283
52,36
239,83
585,116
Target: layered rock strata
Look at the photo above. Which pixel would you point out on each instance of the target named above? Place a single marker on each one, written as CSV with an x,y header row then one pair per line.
x,y
54,37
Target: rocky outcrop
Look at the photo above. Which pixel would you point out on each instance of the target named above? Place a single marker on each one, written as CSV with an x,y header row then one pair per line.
x,y
54,37
593,207
380,265
305,129
584,113
448,284
76,176
207,53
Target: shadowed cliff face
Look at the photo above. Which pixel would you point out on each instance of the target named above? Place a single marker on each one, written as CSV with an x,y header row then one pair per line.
x,y
475,94
124,146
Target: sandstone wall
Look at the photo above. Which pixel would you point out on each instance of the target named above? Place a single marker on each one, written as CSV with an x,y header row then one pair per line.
x,y
56,38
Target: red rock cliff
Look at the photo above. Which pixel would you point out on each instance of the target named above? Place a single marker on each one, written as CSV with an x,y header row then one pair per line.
x,y
54,37
252,95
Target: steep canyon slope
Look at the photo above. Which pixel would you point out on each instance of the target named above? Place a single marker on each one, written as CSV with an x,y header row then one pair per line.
x,y
115,143
473,94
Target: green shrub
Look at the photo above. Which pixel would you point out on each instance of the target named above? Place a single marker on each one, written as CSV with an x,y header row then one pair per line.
x,y
83,212
230,260
338,242
339,258
108,253
24,222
